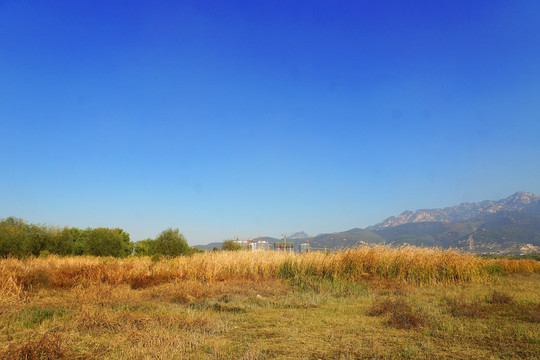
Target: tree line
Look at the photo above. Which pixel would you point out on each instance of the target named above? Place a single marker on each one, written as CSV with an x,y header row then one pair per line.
x,y
21,239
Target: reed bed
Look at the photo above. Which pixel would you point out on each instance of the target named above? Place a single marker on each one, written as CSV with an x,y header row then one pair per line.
x,y
409,264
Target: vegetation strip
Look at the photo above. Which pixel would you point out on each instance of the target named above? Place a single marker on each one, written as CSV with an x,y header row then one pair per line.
x,y
407,264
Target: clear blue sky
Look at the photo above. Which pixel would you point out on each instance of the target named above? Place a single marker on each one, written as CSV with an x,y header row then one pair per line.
x,y
261,117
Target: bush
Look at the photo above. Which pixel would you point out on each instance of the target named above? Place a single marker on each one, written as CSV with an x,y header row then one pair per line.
x,y
169,242
231,245
108,242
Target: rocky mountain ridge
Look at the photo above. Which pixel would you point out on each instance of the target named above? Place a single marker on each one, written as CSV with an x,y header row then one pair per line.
x,y
518,202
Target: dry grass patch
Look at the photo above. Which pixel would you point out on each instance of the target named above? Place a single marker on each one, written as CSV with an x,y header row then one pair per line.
x,y
499,297
532,313
98,318
400,313
389,287
187,292
47,347
460,307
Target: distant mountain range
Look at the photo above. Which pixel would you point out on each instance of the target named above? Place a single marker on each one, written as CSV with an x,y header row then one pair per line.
x,y
521,202
510,225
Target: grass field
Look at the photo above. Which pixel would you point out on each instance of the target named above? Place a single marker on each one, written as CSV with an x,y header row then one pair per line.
x,y
374,302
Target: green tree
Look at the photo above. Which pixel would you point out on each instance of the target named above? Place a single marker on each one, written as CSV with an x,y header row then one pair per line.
x,y
142,248
13,237
74,239
107,242
170,242
231,245
67,241
38,238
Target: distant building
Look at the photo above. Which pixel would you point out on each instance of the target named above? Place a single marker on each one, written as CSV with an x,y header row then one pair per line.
x,y
260,245
252,245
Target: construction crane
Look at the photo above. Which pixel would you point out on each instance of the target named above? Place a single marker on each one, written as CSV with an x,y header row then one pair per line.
x,y
285,241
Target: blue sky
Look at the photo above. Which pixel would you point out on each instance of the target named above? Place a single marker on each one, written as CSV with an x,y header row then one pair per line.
x,y
248,118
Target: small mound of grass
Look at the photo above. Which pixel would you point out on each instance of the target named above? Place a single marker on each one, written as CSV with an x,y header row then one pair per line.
x,y
228,308
381,308
532,314
216,306
183,298
459,307
401,315
47,347
500,298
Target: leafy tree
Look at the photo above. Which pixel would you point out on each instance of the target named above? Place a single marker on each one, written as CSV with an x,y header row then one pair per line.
x,y
170,242
231,245
13,236
71,241
37,239
107,242
59,243
142,248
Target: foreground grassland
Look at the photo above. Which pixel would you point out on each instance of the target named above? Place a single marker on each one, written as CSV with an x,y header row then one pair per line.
x,y
366,303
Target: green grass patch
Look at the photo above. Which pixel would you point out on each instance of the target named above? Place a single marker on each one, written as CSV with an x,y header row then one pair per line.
x,y
34,316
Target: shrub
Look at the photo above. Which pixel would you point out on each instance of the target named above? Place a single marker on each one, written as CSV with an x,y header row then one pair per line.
x,y
231,245
169,242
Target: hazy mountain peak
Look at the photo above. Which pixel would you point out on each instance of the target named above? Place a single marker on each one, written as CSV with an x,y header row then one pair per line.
x,y
298,235
522,197
519,202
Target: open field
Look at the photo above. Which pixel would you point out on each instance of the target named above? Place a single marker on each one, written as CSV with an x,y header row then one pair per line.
x,y
374,302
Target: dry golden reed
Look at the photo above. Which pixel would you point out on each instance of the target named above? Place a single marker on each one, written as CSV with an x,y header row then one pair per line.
x,y
409,264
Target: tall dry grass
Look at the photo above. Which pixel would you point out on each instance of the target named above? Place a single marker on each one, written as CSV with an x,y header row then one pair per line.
x,y
408,264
